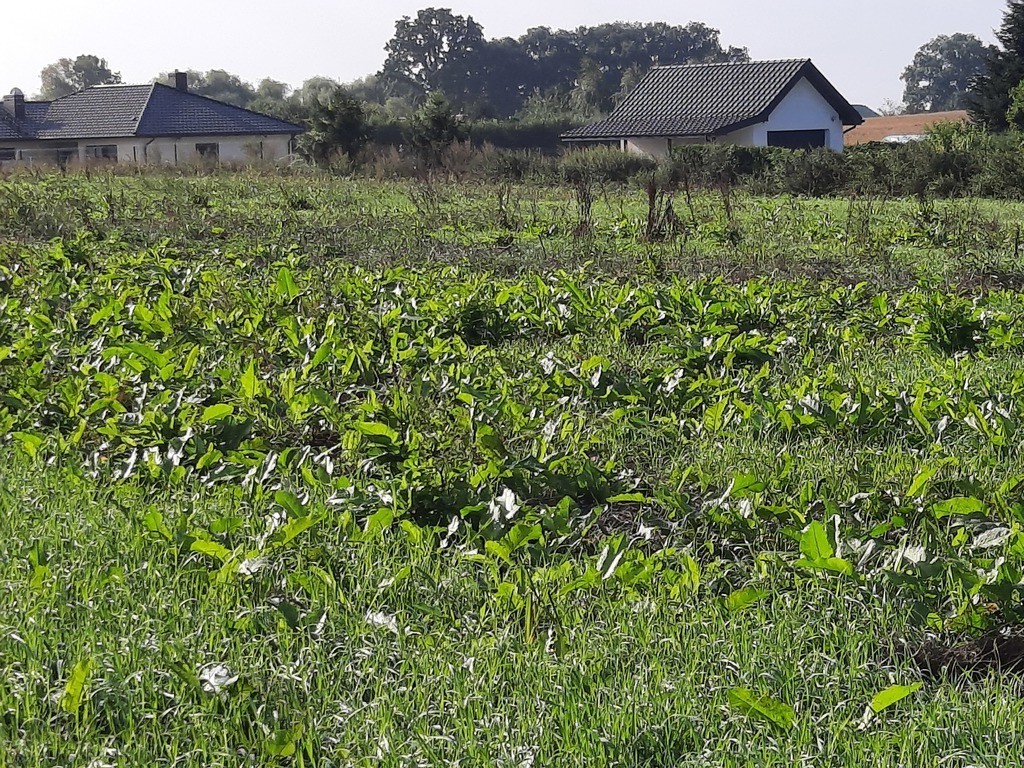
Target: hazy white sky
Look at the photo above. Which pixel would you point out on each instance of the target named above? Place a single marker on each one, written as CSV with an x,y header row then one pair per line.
x,y
862,46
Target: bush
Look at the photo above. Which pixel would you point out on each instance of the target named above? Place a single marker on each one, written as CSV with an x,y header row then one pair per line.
x,y
813,172
603,165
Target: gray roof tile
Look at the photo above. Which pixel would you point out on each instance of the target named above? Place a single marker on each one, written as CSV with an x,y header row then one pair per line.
x,y
173,113
709,99
124,111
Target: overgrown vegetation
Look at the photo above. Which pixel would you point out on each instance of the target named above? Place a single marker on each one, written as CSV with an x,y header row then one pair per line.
x,y
322,471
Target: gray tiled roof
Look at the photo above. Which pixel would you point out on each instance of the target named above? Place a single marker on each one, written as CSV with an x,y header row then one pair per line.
x,y
710,99
8,128
173,113
124,111
104,112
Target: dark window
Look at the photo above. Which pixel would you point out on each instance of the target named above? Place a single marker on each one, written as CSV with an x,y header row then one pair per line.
x,y
101,152
66,155
798,139
209,151
8,154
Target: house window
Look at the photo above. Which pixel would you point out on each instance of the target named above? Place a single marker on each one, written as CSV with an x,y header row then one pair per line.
x,y
798,139
8,154
101,152
209,151
66,155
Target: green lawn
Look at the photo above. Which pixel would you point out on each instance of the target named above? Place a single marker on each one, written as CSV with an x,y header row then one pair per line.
x,y
312,471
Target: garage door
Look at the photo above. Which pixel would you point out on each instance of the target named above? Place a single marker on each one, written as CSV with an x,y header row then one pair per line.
x,y
798,139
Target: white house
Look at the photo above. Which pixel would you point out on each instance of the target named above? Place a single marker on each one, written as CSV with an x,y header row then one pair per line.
x,y
152,123
755,104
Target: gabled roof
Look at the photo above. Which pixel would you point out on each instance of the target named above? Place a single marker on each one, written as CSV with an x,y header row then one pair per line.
x,y
125,111
710,99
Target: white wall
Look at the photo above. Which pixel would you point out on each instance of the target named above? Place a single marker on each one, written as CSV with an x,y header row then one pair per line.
x,y
658,147
803,109
232,149
650,147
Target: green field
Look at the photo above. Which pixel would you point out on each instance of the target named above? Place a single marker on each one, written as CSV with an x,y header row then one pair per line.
x,y
300,470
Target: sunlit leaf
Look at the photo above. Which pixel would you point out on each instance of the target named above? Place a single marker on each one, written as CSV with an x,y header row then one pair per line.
x,y
744,598
74,691
763,708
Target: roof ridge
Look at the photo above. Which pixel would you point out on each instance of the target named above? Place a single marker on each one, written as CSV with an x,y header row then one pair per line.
x,y
730,63
142,112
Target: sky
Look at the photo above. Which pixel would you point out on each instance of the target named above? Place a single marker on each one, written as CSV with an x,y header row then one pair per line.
x,y
862,46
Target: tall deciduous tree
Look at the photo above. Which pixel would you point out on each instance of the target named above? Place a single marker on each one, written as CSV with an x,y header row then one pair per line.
x,y
990,98
69,75
431,52
943,71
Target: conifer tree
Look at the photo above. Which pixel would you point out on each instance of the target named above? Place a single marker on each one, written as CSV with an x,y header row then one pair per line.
x,y
991,95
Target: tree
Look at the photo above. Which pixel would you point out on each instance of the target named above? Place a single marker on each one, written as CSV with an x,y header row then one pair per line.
x,y
434,128
942,73
274,90
990,98
431,52
337,123
217,84
891,108
69,75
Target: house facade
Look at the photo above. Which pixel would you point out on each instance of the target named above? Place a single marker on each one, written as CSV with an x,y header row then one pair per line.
x,y
755,104
139,124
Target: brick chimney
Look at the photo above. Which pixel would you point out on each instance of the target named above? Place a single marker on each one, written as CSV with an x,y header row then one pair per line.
x,y
14,103
181,81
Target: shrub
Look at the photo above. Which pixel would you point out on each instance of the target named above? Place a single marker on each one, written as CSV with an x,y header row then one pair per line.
x,y
603,164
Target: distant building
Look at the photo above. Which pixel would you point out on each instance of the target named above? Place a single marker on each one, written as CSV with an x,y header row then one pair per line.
x,y
139,124
901,128
755,104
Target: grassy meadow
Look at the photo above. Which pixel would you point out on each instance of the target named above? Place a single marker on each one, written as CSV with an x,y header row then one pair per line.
x,y
314,471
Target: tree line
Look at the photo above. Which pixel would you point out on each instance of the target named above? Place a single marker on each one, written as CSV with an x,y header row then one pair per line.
x,y
543,74
572,76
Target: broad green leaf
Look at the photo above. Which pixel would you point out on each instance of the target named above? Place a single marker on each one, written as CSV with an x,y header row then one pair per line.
x,y
28,442
744,485
488,441
292,503
217,412
893,695
293,528
211,549
154,523
744,598
814,543
763,707
74,692
523,534
323,353
920,482
250,381
284,743
961,506
379,521
286,287
381,434
500,550
290,612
